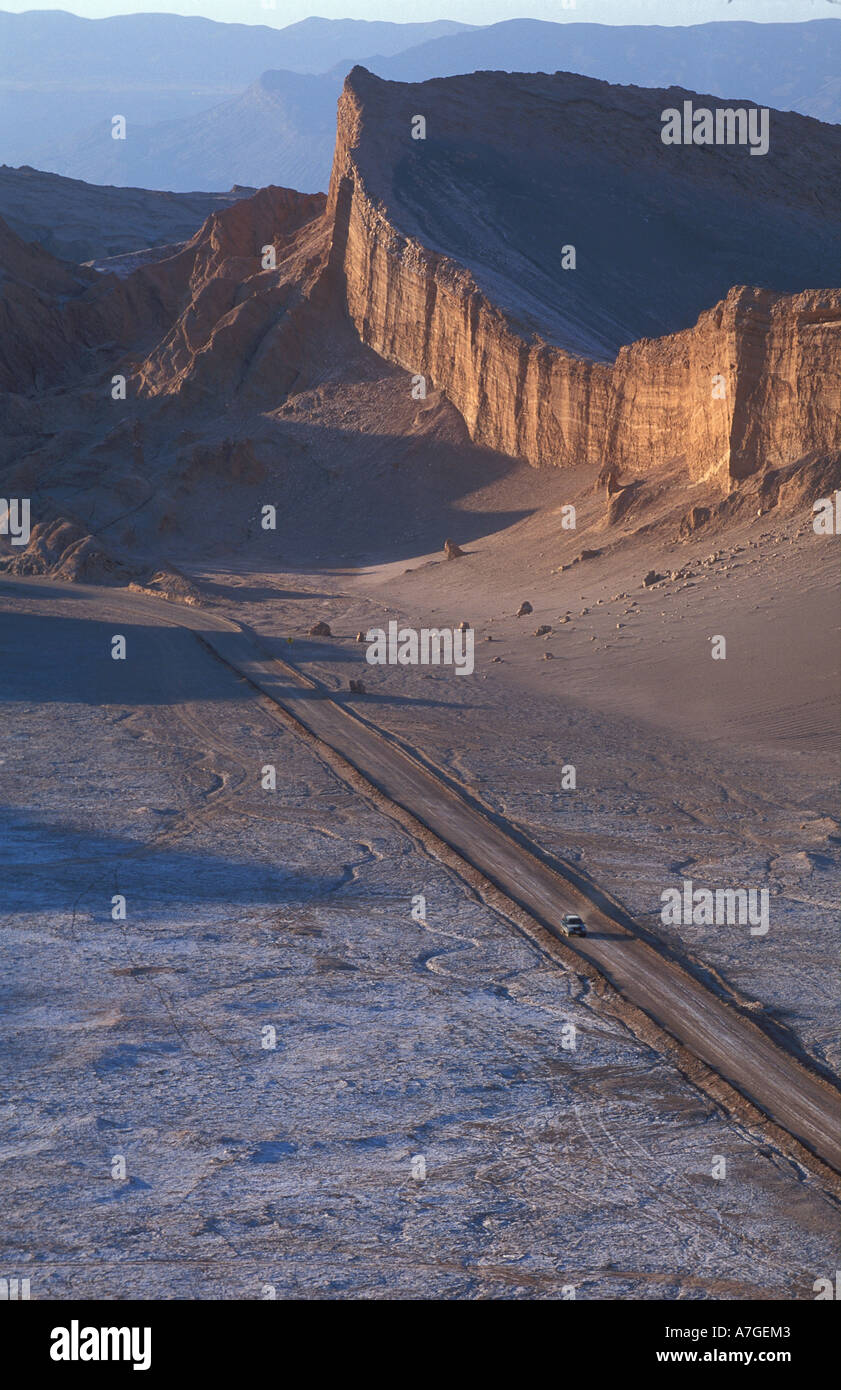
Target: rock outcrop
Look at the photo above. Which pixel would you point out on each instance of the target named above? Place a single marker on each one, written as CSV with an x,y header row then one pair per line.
x,y
64,549
239,282
560,286
451,266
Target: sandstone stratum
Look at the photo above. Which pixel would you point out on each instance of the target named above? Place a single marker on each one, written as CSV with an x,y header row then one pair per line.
x,y
449,252
572,291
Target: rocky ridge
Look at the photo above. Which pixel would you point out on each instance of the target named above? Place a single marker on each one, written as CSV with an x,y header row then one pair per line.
x,y
270,375
749,386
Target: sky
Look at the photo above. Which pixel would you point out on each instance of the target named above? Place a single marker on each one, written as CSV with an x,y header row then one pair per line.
x,y
281,12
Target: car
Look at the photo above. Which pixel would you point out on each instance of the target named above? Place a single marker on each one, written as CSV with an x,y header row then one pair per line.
x,y
572,925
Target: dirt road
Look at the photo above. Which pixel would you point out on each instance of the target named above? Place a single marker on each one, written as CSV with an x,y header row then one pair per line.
x,y
797,1100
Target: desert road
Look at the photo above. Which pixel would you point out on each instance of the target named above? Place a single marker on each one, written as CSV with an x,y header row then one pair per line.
x,y
776,1083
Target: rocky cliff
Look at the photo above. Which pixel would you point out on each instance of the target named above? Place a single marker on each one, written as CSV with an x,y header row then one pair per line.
x,y
580,292
235,307
449,252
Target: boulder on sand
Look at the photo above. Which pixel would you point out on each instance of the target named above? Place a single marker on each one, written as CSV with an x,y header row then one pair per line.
x,y
524,608
320,630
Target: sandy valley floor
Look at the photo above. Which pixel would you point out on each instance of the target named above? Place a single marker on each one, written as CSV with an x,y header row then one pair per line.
x,y
250,1169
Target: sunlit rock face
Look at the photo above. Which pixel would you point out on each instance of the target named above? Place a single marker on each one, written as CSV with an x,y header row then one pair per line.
x,y
581,290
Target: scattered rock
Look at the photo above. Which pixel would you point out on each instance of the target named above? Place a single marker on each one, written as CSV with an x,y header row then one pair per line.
x,y
464,626
621,503
320,630
168,583
524,609
356,687
652,578
693,521
585,555
548,656
543,630
451,550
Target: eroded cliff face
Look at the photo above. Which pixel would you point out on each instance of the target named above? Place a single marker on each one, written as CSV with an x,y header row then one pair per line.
x,y
233,316
752,384
447,256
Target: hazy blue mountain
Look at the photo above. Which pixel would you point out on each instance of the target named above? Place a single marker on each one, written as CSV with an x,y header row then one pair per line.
x,y
61,75
318,44
792,67
53,46
280,129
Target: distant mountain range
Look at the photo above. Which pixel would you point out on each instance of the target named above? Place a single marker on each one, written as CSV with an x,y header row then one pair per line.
x,y
51,46
61,76
280,130
203,111
792,67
